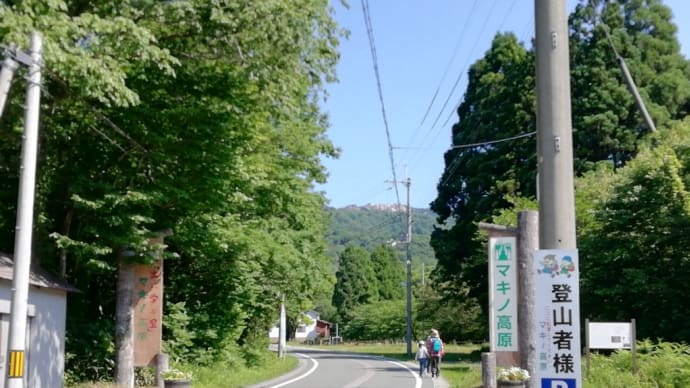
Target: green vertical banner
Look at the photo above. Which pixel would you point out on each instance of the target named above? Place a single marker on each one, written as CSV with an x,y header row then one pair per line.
x,y
503,294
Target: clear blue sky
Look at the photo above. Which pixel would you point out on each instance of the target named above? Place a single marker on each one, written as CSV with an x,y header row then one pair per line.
x,y
421,46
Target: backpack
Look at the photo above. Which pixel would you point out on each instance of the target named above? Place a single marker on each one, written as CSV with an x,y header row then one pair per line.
x,y
436,345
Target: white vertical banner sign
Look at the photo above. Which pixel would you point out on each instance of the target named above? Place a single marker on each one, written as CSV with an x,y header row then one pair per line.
x,y
503,294
557,318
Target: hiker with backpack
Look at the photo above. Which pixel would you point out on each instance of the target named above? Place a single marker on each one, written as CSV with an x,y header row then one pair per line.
x,y
436,350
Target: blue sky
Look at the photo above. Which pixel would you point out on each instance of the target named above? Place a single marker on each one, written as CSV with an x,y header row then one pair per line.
x,y
421,47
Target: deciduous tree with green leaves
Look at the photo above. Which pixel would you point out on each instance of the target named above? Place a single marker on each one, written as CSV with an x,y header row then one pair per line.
x,y
194,116
634,252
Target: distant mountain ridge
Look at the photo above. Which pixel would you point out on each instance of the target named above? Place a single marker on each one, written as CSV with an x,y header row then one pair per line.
x,y
391,207
372,225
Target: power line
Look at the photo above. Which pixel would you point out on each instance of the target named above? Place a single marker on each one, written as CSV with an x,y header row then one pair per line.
x,y
435,137
413,138
372,48
450,62
459,102
456,161
493,141
457,80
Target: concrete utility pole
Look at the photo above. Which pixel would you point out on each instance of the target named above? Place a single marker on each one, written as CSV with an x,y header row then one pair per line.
x,y
16,359
554,127
408,253
124,323
408,250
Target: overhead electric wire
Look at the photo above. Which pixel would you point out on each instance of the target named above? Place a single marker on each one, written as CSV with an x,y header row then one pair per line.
x,y
372,48
413,138
450,62
461,73
493,141
455,163
464,70
456,106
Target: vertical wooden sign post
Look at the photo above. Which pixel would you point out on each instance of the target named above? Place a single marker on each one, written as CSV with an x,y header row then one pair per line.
x,y
147,305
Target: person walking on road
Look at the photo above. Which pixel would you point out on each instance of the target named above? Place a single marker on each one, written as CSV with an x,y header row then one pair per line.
x,y
436,350
423,357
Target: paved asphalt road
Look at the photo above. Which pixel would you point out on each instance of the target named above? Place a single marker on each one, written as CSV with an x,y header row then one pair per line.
x,y
327,369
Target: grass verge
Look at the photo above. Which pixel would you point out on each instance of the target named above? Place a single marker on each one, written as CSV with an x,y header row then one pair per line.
x,y
220,375
217,376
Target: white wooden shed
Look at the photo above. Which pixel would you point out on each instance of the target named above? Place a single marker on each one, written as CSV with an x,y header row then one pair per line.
x,y
47,309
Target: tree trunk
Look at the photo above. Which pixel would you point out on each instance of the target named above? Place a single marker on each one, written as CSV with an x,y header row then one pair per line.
x,y
124,342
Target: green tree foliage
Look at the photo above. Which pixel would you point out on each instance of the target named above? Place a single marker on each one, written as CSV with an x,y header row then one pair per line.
x,y
636,262
377,321
390,276
195,116
606,121
369,227
447,307
356,282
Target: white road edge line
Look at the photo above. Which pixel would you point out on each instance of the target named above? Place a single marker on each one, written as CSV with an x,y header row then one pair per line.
x,y
417,380
300,377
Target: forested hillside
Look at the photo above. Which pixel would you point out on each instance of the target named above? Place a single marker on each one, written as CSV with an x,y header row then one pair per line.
x,y
371,226
369,293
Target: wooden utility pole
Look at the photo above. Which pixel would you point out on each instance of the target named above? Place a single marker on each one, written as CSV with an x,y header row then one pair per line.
x,y
554,127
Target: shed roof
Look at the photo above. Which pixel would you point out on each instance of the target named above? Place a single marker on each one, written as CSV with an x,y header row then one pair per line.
x,y
37,276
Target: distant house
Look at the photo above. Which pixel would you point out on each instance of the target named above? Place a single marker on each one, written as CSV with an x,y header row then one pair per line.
x,y
47,310
306,330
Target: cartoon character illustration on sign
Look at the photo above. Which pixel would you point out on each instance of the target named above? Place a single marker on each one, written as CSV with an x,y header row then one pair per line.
x,y
549,265
567,266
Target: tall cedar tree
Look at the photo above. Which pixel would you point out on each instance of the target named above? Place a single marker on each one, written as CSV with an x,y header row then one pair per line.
x,y
389,271
356,282
498,103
